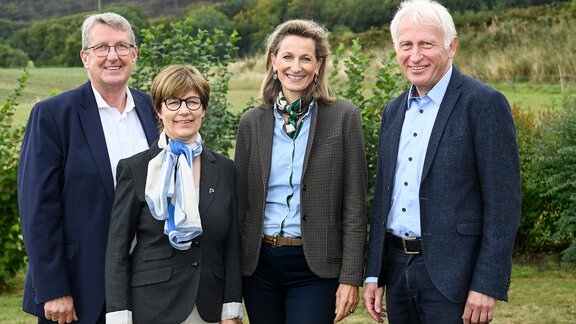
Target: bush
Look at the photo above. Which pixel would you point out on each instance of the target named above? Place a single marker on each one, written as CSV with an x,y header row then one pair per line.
x,y
13,256
553,180
11,57
211,53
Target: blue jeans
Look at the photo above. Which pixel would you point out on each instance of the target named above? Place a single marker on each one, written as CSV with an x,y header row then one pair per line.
x,y
283,290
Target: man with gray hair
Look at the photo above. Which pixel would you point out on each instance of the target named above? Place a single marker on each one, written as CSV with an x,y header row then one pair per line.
x,y
447,202
66,175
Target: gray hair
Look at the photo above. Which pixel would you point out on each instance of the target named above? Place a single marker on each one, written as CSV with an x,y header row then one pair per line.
x,y
425,12
111,19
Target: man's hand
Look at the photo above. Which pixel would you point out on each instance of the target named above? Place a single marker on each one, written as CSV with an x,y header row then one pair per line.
x,y
479,308
60,310
347,297
373,301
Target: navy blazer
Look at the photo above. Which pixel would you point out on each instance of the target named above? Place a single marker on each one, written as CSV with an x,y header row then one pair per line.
x,y
65,195
470,193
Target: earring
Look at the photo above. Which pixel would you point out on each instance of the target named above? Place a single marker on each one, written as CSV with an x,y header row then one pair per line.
x,y
315,79
275,75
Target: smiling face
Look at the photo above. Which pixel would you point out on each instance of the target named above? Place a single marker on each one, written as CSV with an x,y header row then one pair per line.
x,y
113,71
296,65
421,54
182,124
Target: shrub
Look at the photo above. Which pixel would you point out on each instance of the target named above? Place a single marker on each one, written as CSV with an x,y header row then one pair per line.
x,y
211,53
11,57
13,256
553,179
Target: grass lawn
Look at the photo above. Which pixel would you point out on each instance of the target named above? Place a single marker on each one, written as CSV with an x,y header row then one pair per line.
x,y
540,293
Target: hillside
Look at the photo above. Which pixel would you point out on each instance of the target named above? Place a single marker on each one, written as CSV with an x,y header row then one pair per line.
x,y
30,10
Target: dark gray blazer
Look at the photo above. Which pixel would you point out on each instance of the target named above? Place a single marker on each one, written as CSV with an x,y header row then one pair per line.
x,y
333,189
470,199
158,283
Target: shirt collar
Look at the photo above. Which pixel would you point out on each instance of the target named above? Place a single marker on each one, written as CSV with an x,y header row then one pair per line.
x,y
103,104
436,94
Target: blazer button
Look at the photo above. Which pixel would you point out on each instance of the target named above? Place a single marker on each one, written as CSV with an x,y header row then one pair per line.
x,y
195,265
196,243
304,187
305,218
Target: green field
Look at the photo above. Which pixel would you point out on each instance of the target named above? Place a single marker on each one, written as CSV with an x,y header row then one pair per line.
x,y
45,82
540,293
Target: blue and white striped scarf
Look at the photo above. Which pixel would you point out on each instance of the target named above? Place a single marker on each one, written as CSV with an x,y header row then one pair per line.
x,y
170,191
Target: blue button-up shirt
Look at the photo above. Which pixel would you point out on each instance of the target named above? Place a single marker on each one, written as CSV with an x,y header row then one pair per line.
x,y
282,215
404,215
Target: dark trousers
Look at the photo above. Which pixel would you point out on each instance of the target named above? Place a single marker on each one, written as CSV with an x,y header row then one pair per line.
x,y
411,297
101,319
283,290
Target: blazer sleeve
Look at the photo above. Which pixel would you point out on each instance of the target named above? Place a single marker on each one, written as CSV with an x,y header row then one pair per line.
x,y
233,286
123,222
40,181
499,176
354,201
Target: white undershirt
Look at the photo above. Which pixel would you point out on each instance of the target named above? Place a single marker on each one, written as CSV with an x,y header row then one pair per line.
x,y
123,131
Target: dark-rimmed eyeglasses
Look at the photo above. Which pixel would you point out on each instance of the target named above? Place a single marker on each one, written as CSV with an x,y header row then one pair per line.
x,y
192,103
102,50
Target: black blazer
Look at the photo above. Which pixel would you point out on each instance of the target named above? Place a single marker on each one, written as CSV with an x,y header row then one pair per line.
x,y
470,199
65,194
158,283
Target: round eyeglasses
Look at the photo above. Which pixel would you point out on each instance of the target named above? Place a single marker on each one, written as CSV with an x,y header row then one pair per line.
x,y
192,103
102,50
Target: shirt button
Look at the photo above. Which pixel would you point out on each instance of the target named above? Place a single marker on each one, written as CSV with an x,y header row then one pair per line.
x,y
415,134
405,183
410,159
404,209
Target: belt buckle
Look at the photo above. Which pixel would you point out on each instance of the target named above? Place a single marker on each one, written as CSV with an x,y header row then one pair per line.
x,y
406,248
275,240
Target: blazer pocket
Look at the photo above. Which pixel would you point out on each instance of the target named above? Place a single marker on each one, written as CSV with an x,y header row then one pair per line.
x,y
219,271
470,228
334,243
150,277
157,253
69,251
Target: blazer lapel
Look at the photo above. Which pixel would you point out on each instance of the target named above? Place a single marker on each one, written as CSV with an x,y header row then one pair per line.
x,y
265,138
209,174
92,126
451,96
315,112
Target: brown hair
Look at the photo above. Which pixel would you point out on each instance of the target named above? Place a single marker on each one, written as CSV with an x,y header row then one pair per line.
x,y
176,80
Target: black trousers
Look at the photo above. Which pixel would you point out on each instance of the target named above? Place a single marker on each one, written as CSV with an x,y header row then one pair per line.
x,y
283,290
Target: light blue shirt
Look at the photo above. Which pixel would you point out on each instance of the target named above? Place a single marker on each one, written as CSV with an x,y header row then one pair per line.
x,y
404,215
282,217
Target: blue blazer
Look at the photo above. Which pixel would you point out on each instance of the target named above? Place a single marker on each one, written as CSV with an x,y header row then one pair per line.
x,y
65,196
470,194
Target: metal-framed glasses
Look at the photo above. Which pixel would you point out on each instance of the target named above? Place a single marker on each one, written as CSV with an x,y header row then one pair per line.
x,y
102,50
192,103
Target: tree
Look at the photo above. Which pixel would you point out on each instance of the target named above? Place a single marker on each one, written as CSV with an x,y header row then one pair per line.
x,y
211,53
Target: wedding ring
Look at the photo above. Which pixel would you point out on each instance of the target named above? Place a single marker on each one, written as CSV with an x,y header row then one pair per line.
x,y
351,311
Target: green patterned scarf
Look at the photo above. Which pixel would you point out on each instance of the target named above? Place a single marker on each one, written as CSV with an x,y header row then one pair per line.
x,y
294,111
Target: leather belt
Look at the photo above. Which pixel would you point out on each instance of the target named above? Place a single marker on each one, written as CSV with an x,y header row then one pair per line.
x,y
408,245
282,241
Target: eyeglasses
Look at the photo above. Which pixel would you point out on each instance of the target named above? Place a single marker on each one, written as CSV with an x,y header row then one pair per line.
x,y
192,103
102,50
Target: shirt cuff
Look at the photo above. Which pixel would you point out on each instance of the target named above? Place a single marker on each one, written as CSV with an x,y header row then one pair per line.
x,y
371,279
119,317
232,310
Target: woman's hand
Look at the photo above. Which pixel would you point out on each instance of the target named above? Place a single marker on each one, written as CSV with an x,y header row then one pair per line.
x,y
347,297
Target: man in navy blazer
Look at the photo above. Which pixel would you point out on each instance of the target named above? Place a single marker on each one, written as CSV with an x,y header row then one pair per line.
x,y
447,202
66,175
